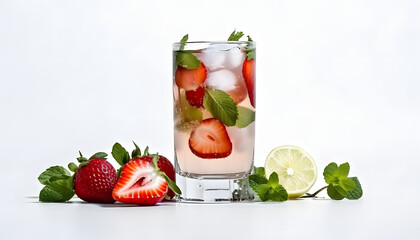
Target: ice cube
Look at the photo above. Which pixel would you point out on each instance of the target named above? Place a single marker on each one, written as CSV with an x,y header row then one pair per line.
x,y
234,58
229,82
223,80
212,57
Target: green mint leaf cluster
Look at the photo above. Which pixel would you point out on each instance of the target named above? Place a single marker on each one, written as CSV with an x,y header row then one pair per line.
x,y
58,185
53,173
341,186
235,36
267,189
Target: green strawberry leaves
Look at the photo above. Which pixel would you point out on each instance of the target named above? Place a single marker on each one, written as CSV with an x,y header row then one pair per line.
x,y
172,185
136,152
340,186
267,189
120,154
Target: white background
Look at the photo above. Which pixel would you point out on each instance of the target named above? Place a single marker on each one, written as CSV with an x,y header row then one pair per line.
x,y
340,79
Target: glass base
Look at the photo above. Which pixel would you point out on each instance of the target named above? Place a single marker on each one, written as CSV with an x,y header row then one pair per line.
x,y
213,190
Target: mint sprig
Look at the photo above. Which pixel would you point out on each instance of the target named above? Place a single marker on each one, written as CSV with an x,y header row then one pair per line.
x,y
186,59
340,186
55,172
236,36
267,189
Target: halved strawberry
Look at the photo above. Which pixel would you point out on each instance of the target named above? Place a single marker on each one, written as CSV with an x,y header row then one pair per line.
x,y
248,71
165,166
195,97
210,140
190,79
140,183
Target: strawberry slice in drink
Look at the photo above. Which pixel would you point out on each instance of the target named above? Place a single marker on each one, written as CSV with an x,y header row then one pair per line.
x,y
139,183
210,140
248,71
190,79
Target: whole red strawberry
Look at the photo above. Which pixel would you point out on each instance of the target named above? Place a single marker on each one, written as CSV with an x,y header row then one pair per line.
x,y
94,179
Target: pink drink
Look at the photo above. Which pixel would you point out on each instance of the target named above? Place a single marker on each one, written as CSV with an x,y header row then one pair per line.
x,y
214,111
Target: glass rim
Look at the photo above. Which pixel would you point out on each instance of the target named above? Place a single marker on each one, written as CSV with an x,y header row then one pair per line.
x,y
217,42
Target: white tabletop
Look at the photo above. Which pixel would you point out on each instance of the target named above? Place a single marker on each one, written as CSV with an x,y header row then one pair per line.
x,y
376,216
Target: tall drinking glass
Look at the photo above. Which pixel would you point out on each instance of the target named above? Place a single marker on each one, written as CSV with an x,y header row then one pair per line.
x,y
214,119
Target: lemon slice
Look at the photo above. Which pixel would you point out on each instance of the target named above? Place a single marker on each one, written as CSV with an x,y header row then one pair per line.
x,y
296,169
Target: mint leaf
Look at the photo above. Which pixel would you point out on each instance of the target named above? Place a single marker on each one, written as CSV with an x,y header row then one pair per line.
x,y
245,117
333,193
187,60
346,183
263,192
259,171
119,153
278,194
249,38
250,54
339,190
255,180
56,172
343,170
330,172
221,106
357,192
235,36
267,190
58,191
183,41
100,155
273,180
